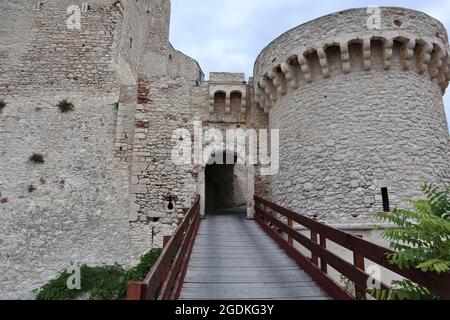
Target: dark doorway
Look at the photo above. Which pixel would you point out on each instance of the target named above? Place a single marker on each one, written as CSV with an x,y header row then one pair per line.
x,y
225,187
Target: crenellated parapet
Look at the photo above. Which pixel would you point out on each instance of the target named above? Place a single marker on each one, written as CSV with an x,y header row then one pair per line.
x,y
406,41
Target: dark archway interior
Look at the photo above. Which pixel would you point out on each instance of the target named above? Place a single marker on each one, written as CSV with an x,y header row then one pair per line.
x,y
225,187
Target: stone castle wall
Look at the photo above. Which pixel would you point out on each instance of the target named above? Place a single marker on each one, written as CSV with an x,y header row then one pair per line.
x,y
101,195
80,209
357,111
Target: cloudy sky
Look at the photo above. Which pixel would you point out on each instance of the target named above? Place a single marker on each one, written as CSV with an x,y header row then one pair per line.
x,y
227,35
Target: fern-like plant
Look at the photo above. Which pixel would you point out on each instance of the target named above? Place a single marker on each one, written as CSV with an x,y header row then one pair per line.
x,y
421,241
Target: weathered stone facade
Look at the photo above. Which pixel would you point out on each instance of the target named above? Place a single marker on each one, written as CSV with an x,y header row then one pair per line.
x,y
358,111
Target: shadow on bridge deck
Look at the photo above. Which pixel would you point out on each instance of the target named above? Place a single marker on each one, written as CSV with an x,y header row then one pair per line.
x,y
234,259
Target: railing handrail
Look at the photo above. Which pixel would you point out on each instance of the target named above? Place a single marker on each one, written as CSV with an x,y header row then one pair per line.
x,y
165,279
438,283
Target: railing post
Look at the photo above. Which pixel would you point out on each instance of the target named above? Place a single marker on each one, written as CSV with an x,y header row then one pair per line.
x,y
291,225
136,291
166,240
358,262
323,244
266,210
314,257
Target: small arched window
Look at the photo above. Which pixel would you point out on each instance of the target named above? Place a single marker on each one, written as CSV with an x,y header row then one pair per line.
x,y
236,101
220,98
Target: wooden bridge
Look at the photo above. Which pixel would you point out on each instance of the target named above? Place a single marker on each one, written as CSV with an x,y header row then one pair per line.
x,y
226,257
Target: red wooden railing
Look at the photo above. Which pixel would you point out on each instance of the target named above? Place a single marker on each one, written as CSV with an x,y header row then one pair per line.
x,y
165,280
267,217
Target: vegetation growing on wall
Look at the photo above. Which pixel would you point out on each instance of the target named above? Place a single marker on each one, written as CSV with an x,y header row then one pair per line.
x,y
422,241
37,158
98,283
2,105
31,188
65,106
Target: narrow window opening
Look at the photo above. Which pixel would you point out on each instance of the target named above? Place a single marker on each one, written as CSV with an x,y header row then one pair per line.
x,y
37,6
85,7
385,196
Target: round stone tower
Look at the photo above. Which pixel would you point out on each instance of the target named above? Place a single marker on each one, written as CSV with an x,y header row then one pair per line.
x,y
357,96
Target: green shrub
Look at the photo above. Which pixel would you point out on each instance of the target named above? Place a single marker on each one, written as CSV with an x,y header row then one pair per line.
x,y
2,105
422,241
65,106
99,283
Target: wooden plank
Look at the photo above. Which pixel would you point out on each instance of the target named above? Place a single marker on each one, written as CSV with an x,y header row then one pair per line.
x,y
238,286
241,255
245,264
136,291
269,299
322,279
359,277
233,258
231,250
252,293
257,293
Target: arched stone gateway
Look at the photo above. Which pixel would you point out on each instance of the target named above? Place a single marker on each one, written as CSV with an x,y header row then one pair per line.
x,y
358,111
215,181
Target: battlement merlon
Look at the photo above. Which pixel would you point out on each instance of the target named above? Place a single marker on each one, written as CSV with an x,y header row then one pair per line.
x,y
414,39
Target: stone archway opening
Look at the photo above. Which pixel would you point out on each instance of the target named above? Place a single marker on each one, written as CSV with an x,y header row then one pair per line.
x,y
227,188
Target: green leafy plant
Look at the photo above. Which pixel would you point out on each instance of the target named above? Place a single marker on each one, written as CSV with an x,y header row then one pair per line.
x,y
116,105
65,106
37,158
421,241
2,105
403,290
347,285
98,283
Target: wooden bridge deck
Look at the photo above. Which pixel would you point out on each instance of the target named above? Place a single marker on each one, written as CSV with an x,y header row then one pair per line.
x,y
234,259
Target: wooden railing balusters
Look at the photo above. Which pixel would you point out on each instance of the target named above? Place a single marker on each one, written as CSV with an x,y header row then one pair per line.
x,y
166,278
358,262
291,225
361,249
323,244
315,239
166,240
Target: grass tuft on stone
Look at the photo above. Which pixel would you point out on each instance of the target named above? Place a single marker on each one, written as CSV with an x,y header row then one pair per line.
x,y
2,105
37,158
65,106
98,283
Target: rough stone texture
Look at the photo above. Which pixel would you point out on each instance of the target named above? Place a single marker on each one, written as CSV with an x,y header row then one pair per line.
x,y
85,196
367,114
350,130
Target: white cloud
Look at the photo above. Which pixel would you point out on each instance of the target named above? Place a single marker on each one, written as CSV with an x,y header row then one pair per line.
x,y
227,35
